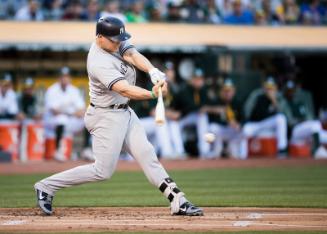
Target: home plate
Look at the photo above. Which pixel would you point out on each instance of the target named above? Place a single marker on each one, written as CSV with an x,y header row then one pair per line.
x,y
13,222
242,223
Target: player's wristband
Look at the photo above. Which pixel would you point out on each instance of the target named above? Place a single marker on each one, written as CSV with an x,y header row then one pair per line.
x,y
153,95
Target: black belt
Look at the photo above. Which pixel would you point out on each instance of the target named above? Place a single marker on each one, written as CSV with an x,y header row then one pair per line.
x,y
114,106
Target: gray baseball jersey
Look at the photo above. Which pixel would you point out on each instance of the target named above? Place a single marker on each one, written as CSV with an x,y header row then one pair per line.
x,y
112,129
104,69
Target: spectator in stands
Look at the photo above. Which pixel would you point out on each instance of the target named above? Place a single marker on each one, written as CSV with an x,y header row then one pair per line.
x,y
136,14
191,98
313,13
239,15
291,12
224,7
74,11
273,11
305,127
173,12
260,18
8,8
27,102
8,99
53,10
64,111
30,12
225,117
212,13
112,8
266,109
154,12
192,12
92,13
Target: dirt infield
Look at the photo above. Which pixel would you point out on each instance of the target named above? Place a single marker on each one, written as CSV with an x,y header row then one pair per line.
x,y
158,219
190,164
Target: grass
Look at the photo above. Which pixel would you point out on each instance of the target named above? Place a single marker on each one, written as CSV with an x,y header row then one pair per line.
x,y
259,187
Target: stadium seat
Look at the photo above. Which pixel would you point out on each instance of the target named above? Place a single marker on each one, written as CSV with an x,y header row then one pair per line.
x,y
9,138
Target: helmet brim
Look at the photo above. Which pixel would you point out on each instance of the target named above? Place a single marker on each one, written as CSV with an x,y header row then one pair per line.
x,y
121,37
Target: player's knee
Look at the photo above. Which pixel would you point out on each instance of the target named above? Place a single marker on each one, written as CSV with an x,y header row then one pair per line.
x,y
316,126
281,119
103,174
247,131
148,149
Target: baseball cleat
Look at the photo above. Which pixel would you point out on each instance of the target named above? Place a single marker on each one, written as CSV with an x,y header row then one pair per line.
x,y
188,209
44,201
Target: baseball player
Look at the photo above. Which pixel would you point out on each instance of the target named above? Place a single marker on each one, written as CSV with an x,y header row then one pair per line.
x,y
112,123
304,126
190,99
28,102
266,109
64,110
225,122
8,99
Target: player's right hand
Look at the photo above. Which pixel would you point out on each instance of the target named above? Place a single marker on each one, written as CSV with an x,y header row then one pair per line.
x,y
164,88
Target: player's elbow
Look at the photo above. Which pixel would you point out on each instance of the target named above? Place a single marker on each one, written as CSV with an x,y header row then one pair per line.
x,y
124,93
122,87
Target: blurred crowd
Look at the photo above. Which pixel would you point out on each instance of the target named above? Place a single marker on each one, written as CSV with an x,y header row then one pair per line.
x,y
235,12
202,118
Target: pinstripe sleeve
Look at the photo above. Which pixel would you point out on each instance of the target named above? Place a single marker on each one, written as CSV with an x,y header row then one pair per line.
x,y
124,46
115,81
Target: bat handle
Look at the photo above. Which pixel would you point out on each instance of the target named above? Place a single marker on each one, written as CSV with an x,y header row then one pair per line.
x,y
159,92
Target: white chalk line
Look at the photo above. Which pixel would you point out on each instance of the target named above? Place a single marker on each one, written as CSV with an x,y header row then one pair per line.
x,y
14,222
239,224
290,225
254,215
242,223
235,224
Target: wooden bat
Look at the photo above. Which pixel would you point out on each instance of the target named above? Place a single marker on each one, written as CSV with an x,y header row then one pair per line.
x,y
160,110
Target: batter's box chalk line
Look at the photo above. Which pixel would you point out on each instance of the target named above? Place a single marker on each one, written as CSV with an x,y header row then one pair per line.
x,y
254,216
13,222
242,223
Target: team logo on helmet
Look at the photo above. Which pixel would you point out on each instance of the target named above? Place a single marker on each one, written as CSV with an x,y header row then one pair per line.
x,y
121,31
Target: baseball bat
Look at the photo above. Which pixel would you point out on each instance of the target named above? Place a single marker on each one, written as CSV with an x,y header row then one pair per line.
x,y
160,109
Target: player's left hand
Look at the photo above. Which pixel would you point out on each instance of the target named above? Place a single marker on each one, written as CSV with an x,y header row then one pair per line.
x,y
156,75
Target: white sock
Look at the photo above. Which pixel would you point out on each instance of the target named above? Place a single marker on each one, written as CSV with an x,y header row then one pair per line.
x,y
182,200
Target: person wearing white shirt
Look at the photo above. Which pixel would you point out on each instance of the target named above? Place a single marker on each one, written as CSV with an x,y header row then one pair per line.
x,y
112,9
64,110
8,99
30,12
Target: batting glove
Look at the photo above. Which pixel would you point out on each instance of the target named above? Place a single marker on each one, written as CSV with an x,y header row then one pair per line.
x,y
156,75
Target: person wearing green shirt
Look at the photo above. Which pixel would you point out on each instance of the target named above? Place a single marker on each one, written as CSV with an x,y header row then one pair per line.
x,y
266,109
189,101
304,126
226,117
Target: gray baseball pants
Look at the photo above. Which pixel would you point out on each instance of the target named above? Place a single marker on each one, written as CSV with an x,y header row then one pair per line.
x,y
112,131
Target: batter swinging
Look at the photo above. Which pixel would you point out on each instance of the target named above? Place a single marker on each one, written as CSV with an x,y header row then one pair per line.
x,y
112,123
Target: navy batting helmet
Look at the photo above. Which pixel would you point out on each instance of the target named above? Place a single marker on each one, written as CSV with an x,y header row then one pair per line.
x,y
113,28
